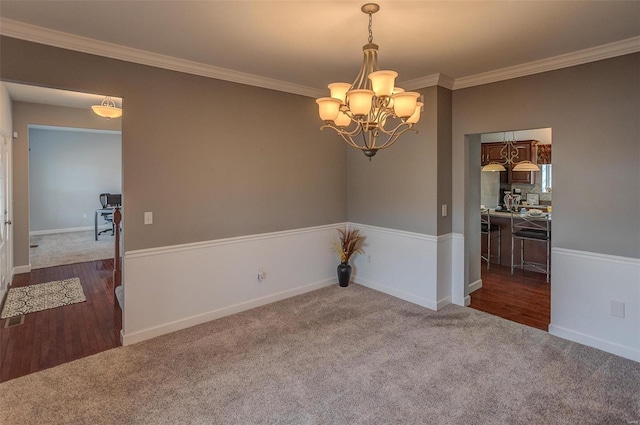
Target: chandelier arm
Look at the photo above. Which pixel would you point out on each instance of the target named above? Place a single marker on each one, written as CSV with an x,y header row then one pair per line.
x,y
390,132
394,138
347,138
342,132
358,83
357,129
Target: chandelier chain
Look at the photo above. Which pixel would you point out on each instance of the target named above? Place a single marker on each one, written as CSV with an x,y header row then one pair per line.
x,y
370,27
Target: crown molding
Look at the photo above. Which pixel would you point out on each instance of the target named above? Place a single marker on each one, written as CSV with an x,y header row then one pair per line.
x,y
606,51
428,81
68,41
33,33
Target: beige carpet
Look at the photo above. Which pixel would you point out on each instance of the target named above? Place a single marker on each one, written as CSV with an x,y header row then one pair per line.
x,y
69,248
337,356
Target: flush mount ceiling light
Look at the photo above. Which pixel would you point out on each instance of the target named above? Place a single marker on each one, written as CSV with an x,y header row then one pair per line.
x,y
371,106
107,108
508,154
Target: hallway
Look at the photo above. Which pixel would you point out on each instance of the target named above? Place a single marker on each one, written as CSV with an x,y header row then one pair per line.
x,y
63,334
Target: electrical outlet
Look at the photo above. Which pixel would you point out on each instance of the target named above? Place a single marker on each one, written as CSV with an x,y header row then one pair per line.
x,y
148,217
84,215
444,210
261,274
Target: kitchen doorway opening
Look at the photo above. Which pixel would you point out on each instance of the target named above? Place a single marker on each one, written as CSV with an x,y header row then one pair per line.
x,y
506,198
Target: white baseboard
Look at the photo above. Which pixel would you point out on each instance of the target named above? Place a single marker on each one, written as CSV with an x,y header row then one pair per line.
x,y
21,269
583,287
474,286
430,304
68,230
198,319
601,344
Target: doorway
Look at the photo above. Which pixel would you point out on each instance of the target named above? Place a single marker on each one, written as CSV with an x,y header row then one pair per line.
x,y
75,330
6,263
524,295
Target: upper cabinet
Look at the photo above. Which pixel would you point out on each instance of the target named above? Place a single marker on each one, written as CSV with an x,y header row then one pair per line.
x,y
525,152
491,152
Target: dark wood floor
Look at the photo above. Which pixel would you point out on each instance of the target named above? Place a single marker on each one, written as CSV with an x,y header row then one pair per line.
x,y
524,297
51,337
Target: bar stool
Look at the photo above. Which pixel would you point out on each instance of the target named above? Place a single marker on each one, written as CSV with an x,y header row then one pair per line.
x,y
532,228
488,229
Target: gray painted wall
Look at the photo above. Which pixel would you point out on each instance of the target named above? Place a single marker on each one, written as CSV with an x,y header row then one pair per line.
x,y
211,159
403,187
67,172
593,110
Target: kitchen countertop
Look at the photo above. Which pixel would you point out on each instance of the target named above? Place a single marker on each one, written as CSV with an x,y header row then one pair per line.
x,y
505,214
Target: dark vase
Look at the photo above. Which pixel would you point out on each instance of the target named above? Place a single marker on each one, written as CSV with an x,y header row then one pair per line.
x,y
344,274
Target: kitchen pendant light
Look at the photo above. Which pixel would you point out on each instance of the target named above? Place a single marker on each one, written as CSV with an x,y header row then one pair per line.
x,y
526,166
508,154
107,108
371,106
494,166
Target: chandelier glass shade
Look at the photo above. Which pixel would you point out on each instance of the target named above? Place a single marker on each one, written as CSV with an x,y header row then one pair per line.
x,y
107,108
370,114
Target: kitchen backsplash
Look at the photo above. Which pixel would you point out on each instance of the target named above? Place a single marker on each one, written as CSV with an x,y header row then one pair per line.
x,y
545,198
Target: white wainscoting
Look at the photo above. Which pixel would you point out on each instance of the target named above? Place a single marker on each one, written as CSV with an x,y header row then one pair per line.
x,y
406,265
458,295
582,288
172,288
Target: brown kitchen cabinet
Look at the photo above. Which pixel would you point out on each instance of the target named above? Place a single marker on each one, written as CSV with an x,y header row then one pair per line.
x,y
491,152
525,153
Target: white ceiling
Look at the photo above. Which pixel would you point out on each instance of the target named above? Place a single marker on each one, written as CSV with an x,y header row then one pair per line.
x,y
312,43
49,96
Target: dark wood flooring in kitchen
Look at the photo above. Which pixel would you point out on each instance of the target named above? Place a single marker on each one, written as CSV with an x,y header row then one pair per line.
x,y
524,297
51,337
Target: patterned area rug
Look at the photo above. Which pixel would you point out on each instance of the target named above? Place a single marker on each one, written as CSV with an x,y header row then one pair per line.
x,y
43,296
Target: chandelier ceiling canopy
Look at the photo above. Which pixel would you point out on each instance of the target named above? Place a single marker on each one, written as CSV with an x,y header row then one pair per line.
x,y
371,107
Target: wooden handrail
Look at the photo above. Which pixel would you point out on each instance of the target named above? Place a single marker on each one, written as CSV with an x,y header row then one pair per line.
x,y
117,271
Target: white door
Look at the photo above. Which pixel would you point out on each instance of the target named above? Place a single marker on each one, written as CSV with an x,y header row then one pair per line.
x,y
5,209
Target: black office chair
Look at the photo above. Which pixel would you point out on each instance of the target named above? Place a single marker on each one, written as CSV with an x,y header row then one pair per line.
x,y
107,216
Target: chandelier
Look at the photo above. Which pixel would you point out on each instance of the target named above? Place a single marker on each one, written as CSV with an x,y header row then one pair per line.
x,y
508,155
107,108
371,107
